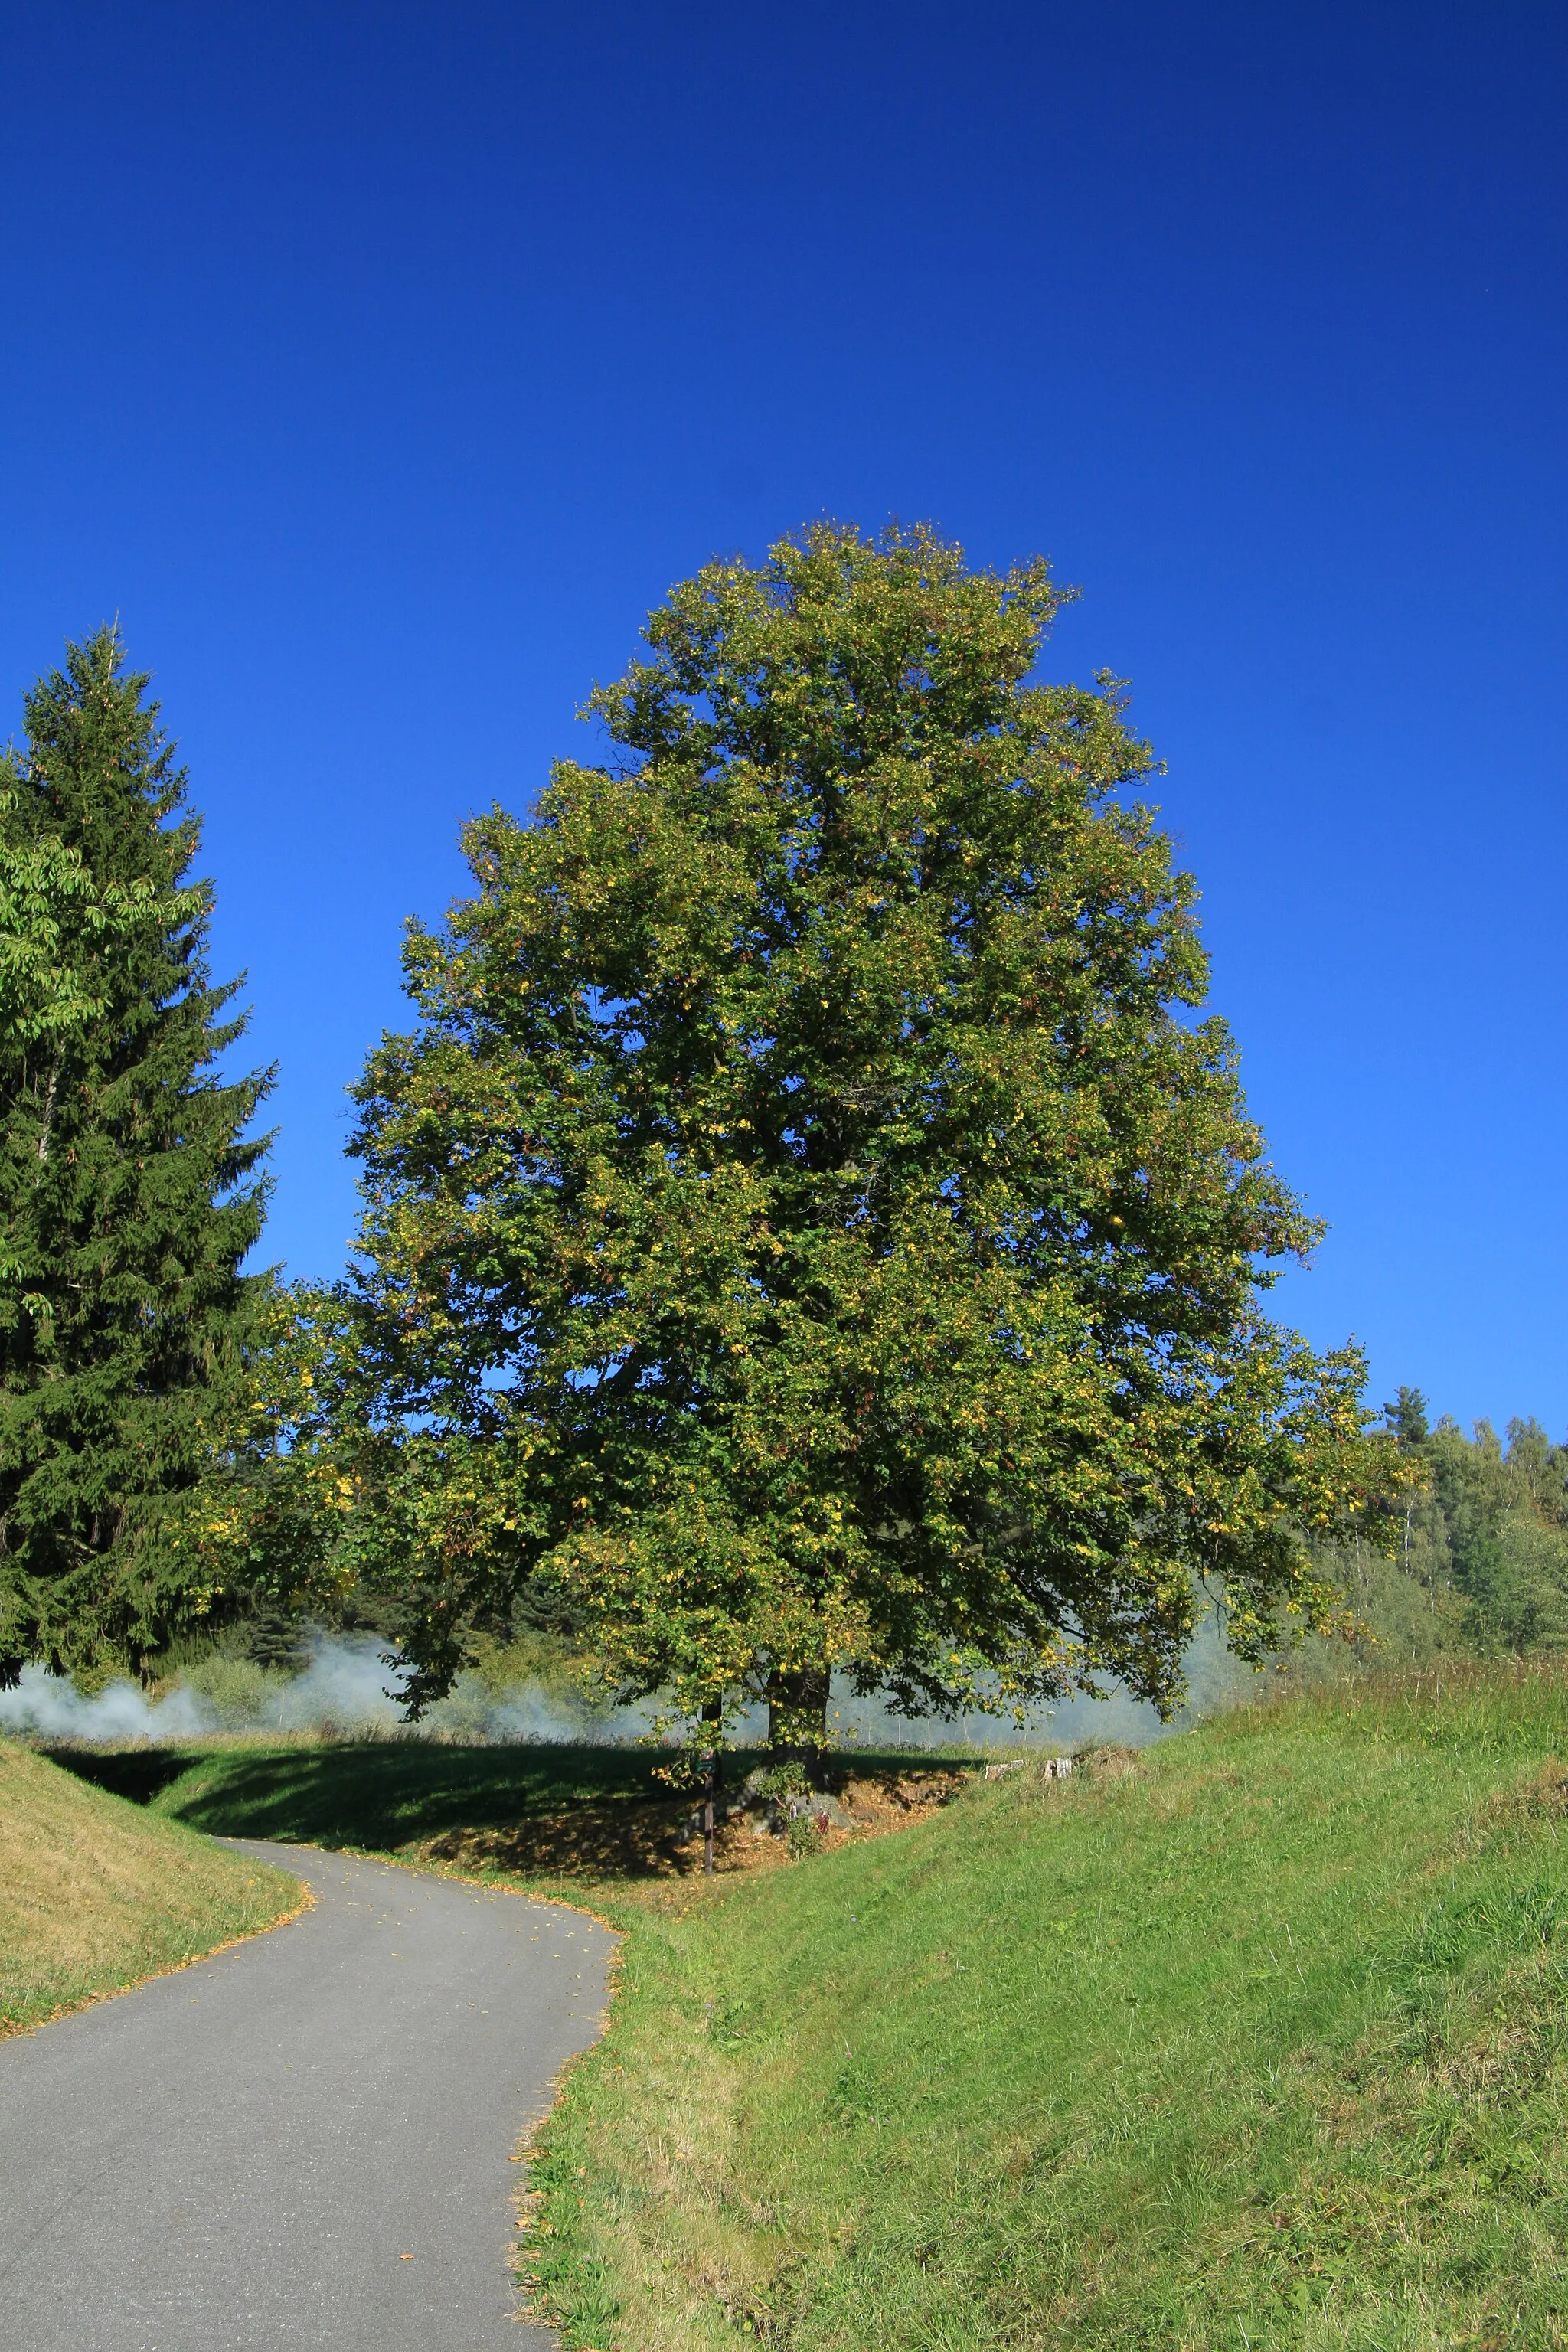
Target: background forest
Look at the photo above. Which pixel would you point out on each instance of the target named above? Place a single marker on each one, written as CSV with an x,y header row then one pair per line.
x,y
1481,1568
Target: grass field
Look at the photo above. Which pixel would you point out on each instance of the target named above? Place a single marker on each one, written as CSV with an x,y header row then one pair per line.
x,y
1258,2039
95,1896
1262,2044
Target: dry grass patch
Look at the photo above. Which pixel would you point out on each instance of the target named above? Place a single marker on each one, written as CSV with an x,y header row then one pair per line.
x,y
95,1894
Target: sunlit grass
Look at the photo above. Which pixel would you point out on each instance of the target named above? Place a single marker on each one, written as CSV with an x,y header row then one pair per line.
x,y
94,1894
1263,2043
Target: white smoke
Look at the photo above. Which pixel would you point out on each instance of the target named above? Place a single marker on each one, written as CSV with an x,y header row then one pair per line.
x,y
53,1707
346,1689
1214,1679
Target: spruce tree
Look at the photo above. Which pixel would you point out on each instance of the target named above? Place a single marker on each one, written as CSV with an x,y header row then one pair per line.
x,y
131,1191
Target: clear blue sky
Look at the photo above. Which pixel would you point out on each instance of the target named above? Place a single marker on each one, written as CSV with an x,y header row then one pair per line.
x,y
380,366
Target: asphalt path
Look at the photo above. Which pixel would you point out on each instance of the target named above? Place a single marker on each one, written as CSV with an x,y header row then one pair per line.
x,y
303,2142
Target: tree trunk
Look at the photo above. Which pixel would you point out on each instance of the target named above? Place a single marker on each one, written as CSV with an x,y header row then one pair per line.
x,y
797,1711
49,1118
713,1713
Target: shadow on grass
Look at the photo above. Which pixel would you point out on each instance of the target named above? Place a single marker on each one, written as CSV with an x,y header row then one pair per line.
x,y
592,1812
138,1773
366,1792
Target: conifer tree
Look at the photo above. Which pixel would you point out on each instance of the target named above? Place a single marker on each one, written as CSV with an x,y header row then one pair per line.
x,y
130,1189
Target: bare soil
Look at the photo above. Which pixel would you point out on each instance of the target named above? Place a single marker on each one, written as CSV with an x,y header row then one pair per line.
x,y
657,1839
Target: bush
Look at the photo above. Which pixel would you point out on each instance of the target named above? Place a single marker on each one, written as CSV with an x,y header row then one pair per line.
x,y
805,1837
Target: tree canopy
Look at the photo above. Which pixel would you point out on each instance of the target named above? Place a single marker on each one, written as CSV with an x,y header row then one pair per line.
x,y
812,1226
129,1188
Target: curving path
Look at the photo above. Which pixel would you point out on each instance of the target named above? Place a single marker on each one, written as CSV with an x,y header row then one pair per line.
x,y
242,2154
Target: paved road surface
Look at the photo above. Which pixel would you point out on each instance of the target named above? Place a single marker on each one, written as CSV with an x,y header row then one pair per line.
x,y
236,2157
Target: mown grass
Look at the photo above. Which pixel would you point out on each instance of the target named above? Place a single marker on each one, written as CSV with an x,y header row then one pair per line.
x,y
1264,2043
94,1895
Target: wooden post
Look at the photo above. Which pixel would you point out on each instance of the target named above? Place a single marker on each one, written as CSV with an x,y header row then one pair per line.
x,y
713,1713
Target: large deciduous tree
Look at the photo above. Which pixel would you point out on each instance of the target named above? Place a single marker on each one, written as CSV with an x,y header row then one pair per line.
x,y
810,1223
130,1189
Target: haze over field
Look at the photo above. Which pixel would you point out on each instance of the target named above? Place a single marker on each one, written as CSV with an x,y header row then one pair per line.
x,y
346,1687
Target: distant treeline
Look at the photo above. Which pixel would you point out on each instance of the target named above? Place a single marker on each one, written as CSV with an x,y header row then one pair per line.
x,y
1481,1566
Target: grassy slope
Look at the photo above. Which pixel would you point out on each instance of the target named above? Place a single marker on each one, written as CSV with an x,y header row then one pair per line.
x,y
1264,2043
371,1792
597,1823
568,1814
94,1895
